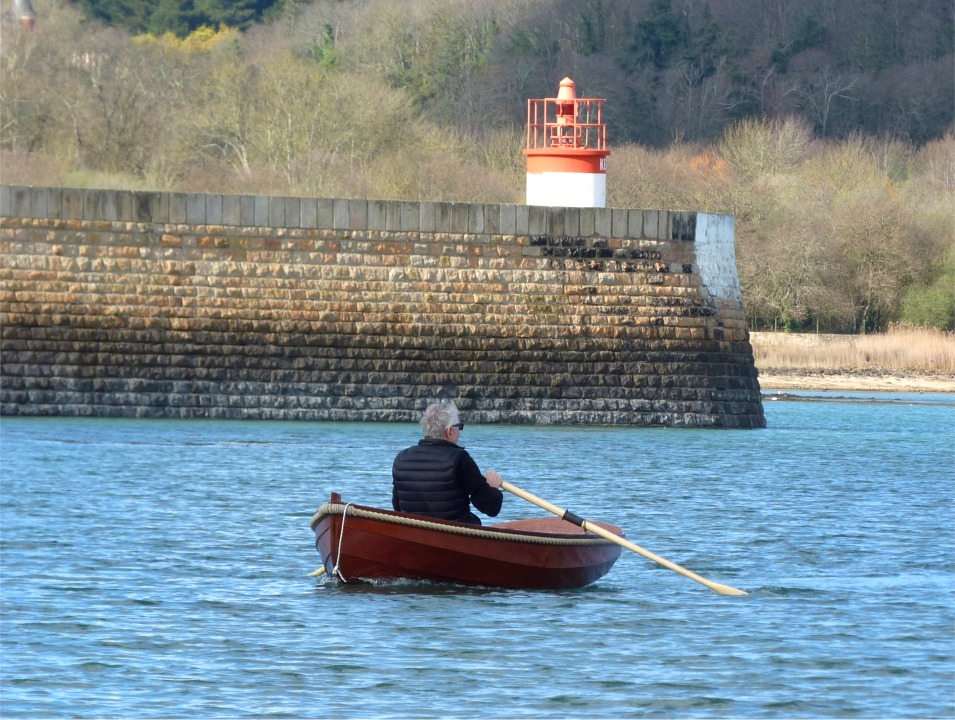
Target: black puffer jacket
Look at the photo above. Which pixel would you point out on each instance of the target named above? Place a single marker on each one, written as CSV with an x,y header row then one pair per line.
x,y
440,479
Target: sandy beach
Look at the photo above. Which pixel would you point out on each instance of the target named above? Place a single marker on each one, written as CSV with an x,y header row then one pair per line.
x,y
907,360
856,381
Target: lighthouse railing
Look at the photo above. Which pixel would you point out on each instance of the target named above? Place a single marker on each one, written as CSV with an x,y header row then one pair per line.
x,y
548,127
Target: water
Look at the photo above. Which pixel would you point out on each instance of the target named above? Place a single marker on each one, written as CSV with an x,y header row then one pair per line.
x,y
155,569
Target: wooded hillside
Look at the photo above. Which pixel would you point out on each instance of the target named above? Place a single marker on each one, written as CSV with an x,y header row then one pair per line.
x,y
673,69
825,126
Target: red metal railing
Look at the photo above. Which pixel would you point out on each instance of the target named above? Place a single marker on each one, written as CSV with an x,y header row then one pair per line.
x,y
554,123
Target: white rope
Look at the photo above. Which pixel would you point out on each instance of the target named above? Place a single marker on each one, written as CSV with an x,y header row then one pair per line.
x,y
341,536
478,531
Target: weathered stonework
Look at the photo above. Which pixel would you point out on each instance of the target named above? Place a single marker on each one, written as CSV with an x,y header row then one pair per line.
x,y
141,304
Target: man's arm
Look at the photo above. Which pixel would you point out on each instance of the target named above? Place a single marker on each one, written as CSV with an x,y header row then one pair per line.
x,y
483,495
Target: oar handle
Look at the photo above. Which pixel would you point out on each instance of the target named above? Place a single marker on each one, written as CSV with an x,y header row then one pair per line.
x,y
533,499
622,542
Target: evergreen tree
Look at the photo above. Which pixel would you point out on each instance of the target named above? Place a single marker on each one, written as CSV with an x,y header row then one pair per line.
x,y
179,17
705,43
233,13
130,14
657,36
176,16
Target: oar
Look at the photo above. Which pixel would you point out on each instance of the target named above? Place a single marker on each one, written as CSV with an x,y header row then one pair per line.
x,y
317,573
604,533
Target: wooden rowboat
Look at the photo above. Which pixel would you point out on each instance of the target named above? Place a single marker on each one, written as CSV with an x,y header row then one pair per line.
x,y
367,544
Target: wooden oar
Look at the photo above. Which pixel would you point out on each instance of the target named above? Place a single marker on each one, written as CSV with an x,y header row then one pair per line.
x,y
317,573
604,533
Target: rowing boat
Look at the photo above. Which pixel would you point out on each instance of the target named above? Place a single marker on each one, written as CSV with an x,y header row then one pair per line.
x,y
358,543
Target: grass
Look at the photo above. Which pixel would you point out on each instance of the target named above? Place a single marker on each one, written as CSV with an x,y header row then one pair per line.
x,y
901,349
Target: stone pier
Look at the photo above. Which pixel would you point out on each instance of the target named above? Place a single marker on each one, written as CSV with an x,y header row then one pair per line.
x,y
141,304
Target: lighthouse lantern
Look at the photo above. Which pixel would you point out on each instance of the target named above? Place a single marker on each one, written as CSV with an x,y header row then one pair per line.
x,y
566,150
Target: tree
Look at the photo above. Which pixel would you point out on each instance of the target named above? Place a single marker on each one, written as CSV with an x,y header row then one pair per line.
x,y
291,107
874,254
225,118
707,45
115,107
441,61
758,148
693,104
232,13
22,112
134,15
820,92
809,35
933,304
657,36
179,17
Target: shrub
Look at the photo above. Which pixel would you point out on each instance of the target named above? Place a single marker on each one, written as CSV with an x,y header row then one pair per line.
x,y
933,305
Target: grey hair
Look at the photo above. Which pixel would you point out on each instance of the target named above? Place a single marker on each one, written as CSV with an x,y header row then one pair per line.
x,y
438,418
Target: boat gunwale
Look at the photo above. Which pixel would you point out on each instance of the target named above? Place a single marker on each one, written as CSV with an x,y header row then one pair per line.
x,y
451,527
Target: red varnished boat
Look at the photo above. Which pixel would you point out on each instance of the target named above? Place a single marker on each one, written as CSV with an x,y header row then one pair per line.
x,y
359,543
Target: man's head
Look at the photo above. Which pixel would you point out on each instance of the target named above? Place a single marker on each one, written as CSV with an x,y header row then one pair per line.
x,y
438,419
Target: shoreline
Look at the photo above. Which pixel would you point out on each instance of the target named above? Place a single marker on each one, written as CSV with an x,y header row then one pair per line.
x,y
902,382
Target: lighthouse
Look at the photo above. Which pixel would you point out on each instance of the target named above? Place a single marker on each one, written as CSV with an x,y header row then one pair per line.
x,y
23,9
566,150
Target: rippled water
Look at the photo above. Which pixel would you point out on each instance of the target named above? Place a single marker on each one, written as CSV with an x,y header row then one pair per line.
x,y
159,569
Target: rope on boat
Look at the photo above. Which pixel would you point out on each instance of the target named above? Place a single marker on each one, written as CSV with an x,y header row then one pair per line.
x,y
336,508
341,536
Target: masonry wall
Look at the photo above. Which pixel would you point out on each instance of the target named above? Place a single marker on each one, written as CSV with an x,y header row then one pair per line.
x,y
142,304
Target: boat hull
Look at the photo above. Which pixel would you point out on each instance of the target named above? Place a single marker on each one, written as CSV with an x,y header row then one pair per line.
x,y
362,544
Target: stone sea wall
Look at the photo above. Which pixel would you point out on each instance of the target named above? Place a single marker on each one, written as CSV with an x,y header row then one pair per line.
x,y
141,304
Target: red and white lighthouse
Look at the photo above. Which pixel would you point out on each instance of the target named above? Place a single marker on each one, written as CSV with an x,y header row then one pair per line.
x,y
566,150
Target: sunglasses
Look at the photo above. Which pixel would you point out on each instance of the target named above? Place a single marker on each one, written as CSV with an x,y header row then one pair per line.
x,y
459,426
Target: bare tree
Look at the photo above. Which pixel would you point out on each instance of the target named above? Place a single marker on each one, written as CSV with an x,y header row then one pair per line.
x,y
821,91
228,98
291,105
768,147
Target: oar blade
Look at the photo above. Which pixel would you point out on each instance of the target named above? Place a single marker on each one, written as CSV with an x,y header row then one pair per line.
x,y
622,542
724,589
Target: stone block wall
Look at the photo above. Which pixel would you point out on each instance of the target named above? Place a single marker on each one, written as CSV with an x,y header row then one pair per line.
x,y
141,304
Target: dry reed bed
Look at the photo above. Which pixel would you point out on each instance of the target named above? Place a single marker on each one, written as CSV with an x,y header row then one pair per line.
x,y
900,349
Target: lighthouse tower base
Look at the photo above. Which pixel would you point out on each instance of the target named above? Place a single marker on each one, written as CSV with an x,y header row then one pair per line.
x,y
567,189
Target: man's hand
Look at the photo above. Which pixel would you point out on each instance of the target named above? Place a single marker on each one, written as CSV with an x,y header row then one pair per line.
x,y
493,479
